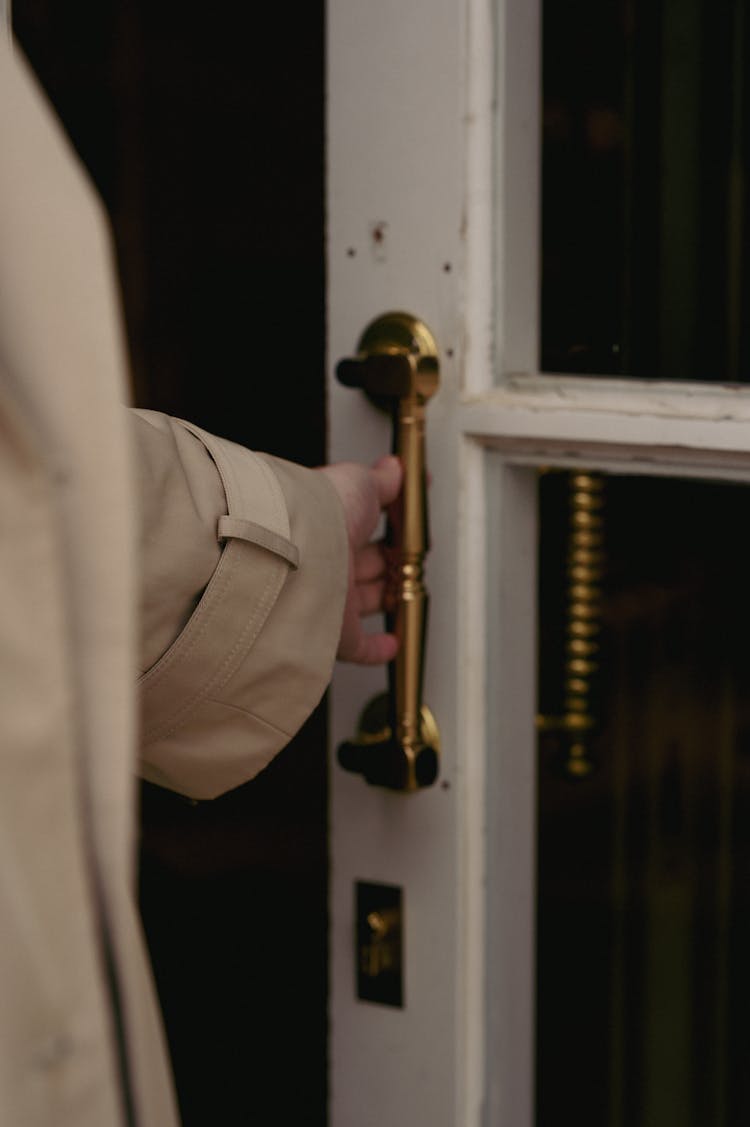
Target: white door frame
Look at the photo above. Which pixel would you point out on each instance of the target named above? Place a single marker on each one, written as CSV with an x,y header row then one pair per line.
x,y
434,208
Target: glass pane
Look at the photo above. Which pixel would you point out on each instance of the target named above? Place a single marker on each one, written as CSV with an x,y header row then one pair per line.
x,y
644,819
645,146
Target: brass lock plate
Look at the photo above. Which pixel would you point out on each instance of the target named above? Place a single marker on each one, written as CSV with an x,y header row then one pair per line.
x,y
379,951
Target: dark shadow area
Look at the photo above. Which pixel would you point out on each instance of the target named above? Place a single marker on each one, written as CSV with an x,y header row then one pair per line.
x,y
646,145
644,864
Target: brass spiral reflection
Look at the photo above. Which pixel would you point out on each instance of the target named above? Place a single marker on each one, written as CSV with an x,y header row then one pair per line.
x,y
583,615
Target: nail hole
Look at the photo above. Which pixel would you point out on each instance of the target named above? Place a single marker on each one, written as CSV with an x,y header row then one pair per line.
x,y
351,251
447,267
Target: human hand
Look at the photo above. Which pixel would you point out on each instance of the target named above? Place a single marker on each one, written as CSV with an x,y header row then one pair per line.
x,y
364,493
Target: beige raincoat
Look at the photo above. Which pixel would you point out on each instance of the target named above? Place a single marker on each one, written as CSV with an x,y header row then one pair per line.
x,y
237,562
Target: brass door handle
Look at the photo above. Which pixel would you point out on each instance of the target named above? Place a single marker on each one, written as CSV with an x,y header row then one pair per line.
x,y
397,744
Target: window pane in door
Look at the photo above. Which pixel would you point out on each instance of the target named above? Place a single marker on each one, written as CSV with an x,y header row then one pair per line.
x,y
644,215
643,909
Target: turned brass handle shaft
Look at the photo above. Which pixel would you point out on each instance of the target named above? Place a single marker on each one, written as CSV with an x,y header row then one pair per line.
x,y
406,597
398,368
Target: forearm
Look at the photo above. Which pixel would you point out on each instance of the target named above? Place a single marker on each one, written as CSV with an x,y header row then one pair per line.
x,y
238,641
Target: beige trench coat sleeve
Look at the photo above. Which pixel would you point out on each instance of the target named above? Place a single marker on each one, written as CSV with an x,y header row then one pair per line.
x,y
243,583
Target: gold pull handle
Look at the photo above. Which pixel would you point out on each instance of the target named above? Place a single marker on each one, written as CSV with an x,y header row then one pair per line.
x,y
397,742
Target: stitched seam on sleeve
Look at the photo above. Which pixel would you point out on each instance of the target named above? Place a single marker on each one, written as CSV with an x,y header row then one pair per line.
x,y
229,663
199,621
222,465
196,626
226,470
253,716
274,488
223,673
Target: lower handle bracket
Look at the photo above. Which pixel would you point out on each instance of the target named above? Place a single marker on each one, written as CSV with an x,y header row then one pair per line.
x,y
385,761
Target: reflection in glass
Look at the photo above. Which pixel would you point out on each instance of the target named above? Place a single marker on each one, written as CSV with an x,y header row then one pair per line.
x,y
643,971
645,147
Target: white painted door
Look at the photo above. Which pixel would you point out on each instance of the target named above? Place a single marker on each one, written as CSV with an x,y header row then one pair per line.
x,y
433,208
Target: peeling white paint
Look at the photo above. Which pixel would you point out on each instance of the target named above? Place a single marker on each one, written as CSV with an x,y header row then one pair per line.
x,y
675,399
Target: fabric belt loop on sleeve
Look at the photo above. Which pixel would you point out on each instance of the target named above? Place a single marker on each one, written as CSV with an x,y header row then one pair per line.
x,y
239,529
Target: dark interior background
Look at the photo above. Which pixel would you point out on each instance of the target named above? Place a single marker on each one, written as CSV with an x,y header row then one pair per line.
x,y
643,878
202,128
645,189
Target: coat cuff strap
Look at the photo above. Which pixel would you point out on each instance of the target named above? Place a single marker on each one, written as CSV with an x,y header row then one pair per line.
x,y
239,529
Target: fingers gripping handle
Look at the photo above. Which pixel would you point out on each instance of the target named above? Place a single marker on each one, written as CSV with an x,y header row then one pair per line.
x,y
397,744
